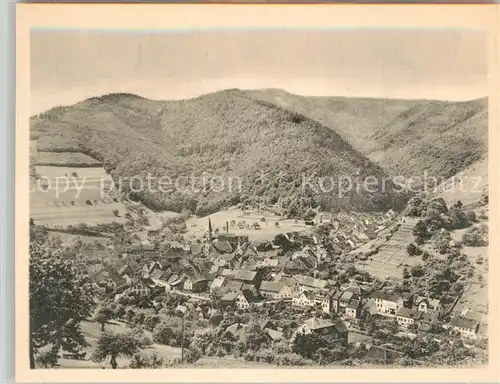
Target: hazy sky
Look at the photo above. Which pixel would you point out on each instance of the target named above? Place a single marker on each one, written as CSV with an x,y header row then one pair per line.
x,y
69,66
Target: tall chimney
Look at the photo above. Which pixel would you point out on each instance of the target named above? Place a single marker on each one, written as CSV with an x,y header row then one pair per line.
x,y
227,226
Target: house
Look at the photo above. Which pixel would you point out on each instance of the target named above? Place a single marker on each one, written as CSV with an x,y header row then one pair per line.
x,y
335,301
196,249
274,335
320,326
467,328
289,281
307,283
195,284
160,277
345,299
215,317
232,239
247,276
175,281
271,263
218,282
324,218
223,246
430,306
406,317
225,272
245,298
139,237
304,299
233,286
153,232
126,270
353,309
275,290
242,299
387,303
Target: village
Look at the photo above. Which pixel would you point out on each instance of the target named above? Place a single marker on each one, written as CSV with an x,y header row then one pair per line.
x,y
303,282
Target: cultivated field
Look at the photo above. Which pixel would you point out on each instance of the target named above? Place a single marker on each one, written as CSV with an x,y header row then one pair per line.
x,y
392,257
77,159
68,238
61,197
89,173
61,216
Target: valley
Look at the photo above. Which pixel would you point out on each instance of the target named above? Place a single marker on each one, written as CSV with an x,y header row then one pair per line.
x,y
250,273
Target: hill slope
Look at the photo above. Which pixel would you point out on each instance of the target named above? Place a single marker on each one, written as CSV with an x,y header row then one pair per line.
x,y
224,134
405,137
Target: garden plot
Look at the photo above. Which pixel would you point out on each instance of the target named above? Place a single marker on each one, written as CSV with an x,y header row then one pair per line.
x,y
392,257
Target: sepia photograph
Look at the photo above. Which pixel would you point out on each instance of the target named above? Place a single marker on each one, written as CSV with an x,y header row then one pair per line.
x,y
279,199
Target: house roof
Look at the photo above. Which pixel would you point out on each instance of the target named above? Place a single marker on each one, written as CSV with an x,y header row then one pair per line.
x,y
230,296
311,281
249,296
223,246
407,312
158,274
434,303
270,286
234,285
226,272
218,282
354,289
245,275
196,249
315,323
386,296
347,296
354,304
274,335
463,322
308,295
196,279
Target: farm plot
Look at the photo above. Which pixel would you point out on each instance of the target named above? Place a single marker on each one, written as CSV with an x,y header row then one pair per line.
x,y
63,195
76,159
392,257
52,172
63,216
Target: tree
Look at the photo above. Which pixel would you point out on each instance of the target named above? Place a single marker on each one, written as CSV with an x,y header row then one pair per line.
x,y
116,212
417,271
420,232
413,250
164,334
48,358
60,298
442,241
476,237
256,338
103,315
113,345
192,355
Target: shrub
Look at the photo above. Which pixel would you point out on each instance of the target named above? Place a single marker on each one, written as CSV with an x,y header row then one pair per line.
x,y
442,241
417,271
413,250
476,237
